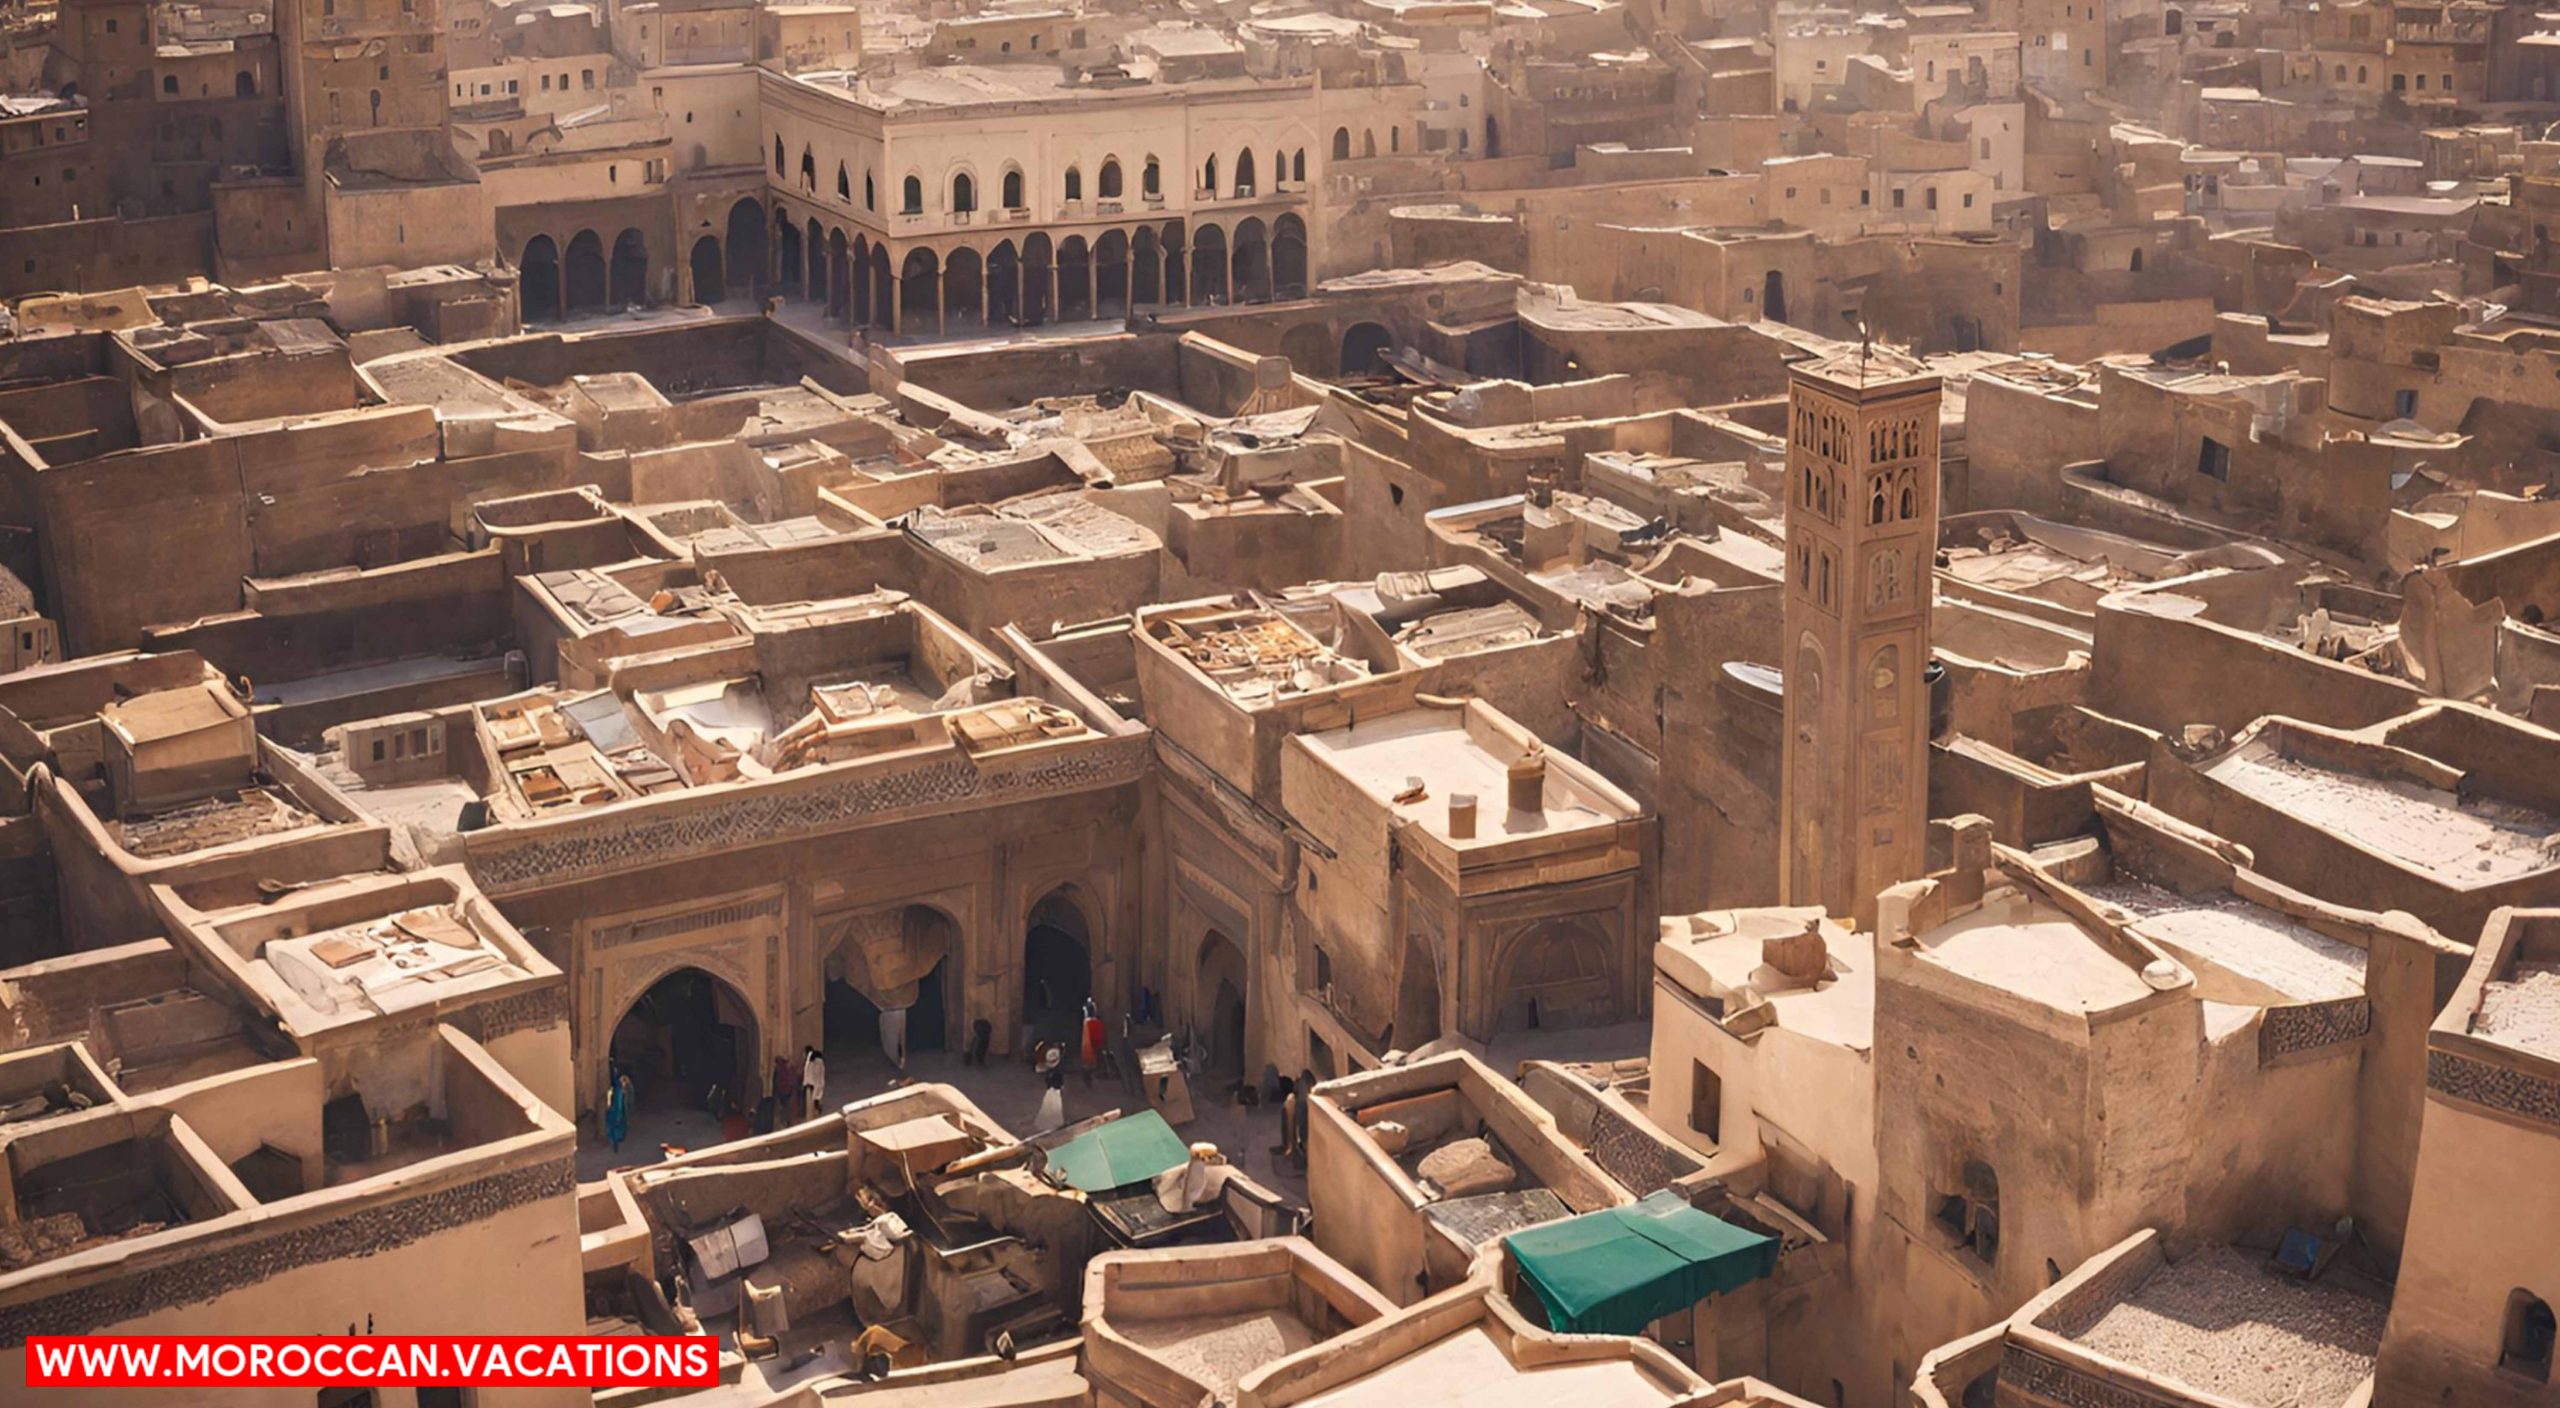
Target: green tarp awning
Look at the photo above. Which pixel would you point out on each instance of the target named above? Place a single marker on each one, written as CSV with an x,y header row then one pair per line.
x,y
1120,1153
1615,1271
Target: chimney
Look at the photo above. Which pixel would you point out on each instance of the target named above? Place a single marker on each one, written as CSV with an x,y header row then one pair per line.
x,y
1528,775
1462,816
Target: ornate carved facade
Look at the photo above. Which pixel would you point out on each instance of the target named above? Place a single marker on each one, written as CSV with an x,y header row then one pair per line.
x,y
1862,523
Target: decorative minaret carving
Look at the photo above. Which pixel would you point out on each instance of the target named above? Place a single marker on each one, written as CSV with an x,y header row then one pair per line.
x,y
1862,533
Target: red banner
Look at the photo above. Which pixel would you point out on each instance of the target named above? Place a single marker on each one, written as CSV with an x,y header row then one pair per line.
x,y
363,1361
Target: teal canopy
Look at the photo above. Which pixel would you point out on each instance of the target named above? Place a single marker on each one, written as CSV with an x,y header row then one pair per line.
x,y
1120,1153
1615,1271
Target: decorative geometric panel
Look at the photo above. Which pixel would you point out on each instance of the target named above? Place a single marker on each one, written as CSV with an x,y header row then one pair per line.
x,y
2519,1093
2311,1025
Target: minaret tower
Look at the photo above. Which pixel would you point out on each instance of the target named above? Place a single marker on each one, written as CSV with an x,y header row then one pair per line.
x,y
1862,533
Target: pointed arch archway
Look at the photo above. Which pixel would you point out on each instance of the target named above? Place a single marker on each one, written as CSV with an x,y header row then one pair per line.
x,y
1039,290
708,283
920,293
745,248
1208,265
1220,981
1004,286
1177,266
686,1032
787,265
1057,964
1555,973
964,289
887,984
583,272
1251,263
1364,349
1111,275
1075,280
538,289
1289,257
627,280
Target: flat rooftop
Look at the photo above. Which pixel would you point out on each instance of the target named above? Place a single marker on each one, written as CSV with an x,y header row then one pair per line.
x,y
1721,953
417,957
2248,939
2220,1322
2025,945
213,821
1470,1370
2459,841
997,85
1451,753
1220,1349
2523,1009
1255,657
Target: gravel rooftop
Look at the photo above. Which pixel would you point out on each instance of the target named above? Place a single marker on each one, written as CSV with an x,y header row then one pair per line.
x,y
2219,1322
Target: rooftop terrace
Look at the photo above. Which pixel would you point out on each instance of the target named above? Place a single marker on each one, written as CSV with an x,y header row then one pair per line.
x,y
2221,1321
2456,839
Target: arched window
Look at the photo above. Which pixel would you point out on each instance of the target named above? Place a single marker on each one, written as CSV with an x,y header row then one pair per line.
x,y
1342,144
1244,172
844,183
1209,176
913,196
2136,264
168,83
2362,73
870,192
1875,501
1972,1216
808,170
1075,183
964,193
1395,139
1151,179
1298,165
1013,190
244,84
2525,1348
1106,184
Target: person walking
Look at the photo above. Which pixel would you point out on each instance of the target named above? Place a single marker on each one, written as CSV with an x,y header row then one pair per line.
x,y
786,1090
813,1079
1288,1099
1053,1101
1304,1092
617,1109
1094,1036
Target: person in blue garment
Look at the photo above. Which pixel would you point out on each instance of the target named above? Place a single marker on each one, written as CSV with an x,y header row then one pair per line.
x,y
617,1110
